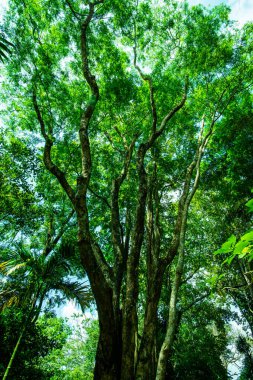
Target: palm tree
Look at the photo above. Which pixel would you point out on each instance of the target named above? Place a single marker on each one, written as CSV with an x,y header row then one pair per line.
x,y
29,277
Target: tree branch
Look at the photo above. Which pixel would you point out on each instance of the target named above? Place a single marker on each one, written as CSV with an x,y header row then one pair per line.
x,y
99,197
193,303
188,192
174,110
103,265
117,230
50,165
74,12
90,108
148,79
51,244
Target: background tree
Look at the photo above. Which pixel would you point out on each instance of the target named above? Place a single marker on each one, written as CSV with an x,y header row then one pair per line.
x,y
36,344
80,349
245,347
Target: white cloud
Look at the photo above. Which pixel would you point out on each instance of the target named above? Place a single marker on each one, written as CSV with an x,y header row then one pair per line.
x,y
207,3
68,309
74,314
241,10
3,7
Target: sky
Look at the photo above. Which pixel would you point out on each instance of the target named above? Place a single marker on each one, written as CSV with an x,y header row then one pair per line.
x,y
242,10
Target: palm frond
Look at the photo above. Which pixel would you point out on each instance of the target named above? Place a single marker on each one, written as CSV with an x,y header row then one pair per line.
x,y
8,298
15,268
54,263
5,266
74,290
14,300
10,266
4,48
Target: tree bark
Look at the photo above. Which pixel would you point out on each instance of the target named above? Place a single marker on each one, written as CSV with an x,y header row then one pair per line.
x,y
146,365
184,204
172,322
130,325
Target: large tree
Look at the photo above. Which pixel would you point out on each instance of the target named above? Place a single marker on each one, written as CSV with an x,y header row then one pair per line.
x,y
124,97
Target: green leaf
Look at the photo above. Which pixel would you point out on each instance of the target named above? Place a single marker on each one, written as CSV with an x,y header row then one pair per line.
x,y
248,236
229,259
228,246
239,247
243,254
249,204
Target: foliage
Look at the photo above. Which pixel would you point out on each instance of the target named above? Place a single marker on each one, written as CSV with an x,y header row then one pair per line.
x,y
245,348
129,125
43,273
29,277
241,248
48,334
80,349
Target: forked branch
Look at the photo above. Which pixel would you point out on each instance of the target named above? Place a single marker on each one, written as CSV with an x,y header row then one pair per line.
x,y
50,165
115,216
90,107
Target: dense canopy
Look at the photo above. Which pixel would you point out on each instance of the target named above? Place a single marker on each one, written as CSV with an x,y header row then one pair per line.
x,y
126,167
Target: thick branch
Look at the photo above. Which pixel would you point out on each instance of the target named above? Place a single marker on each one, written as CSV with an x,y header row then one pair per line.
x,y
172,322
174,110
115,216
156,133
50,165
188,192
117,235
91,80
90,108
148,79
74,12
84,178
105,268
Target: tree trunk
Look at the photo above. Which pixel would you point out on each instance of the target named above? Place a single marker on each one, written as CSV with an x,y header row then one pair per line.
x,y
106,367
107,358
130,319
146,365
172,322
